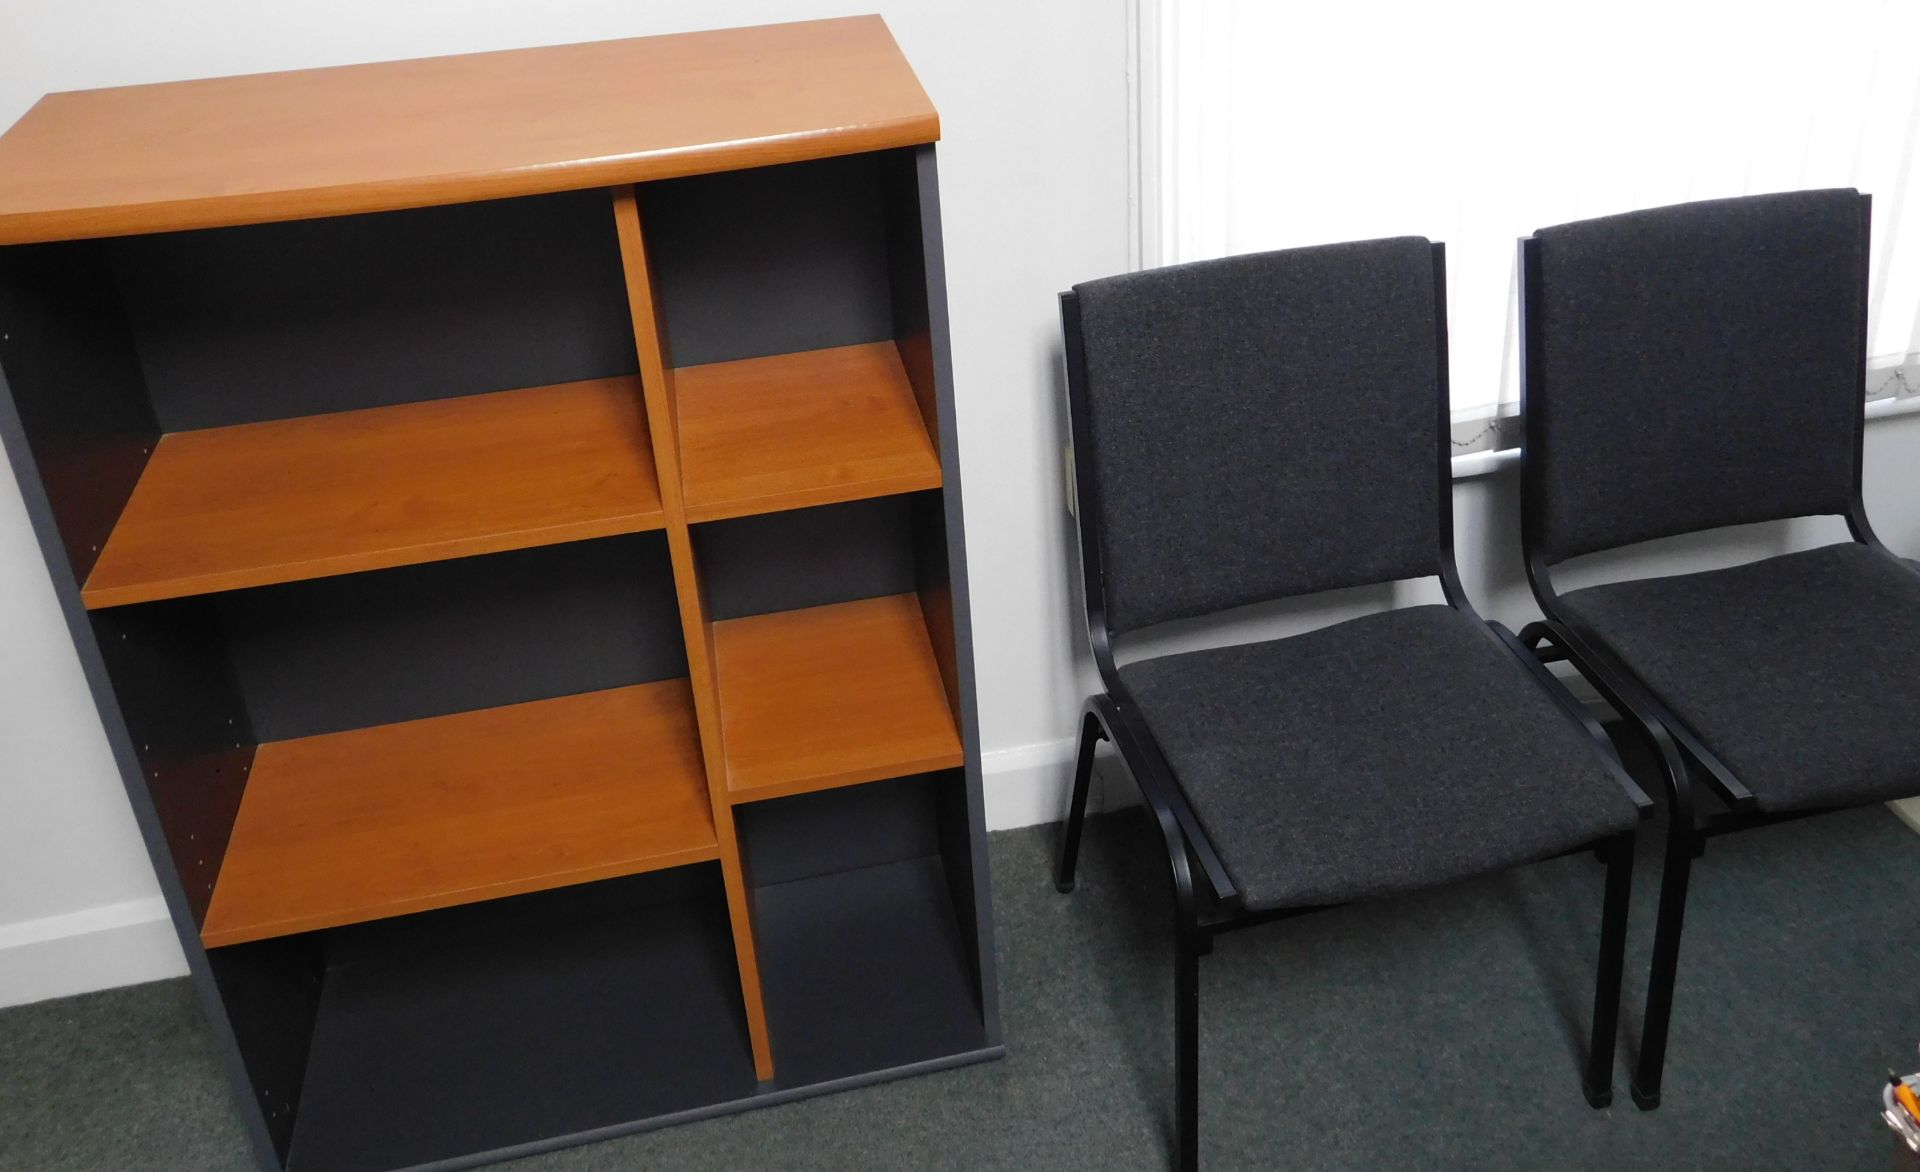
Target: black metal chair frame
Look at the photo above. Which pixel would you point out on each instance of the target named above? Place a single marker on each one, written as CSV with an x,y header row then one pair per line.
x,y
1209,905
1561,637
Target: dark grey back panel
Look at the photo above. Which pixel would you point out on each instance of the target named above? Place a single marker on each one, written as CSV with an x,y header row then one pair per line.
x,y
807,557
855,826
276,320
76,382
365,649
949,614
1263,426
772,260
1695,366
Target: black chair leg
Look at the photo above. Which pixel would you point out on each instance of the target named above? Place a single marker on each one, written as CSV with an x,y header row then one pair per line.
x,y
1618,853
1186,1053
1666,962
1091,735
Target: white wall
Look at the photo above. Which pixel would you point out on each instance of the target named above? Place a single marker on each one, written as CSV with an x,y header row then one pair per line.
x,y
1033,162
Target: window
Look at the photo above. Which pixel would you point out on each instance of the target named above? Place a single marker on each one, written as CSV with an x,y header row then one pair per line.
x,y
1274,125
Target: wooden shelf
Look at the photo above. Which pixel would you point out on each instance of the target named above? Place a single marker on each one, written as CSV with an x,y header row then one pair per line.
x,y
398,134
794,430
259,503
402,818
830,696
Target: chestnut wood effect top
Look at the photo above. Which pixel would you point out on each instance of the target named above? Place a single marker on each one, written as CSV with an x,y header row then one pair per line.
x,y
258,503
402,818
363,138
792,430
830,696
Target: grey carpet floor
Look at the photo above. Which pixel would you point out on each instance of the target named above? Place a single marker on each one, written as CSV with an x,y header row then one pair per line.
x,y
1441,1031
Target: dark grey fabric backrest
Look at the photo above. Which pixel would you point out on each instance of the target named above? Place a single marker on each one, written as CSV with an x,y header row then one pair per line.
x,y
1696,366
1263,426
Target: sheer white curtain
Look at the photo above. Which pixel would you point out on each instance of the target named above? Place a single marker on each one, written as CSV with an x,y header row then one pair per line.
x,y
1269,125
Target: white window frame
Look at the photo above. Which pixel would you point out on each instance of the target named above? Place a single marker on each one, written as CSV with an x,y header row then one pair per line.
x,y
1489,435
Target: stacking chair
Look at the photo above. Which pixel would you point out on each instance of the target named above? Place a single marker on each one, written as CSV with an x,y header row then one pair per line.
x,y
1688,368
1275,425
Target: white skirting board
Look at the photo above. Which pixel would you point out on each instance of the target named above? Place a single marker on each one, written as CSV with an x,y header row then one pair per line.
x,y
95,948
131,943
1030,784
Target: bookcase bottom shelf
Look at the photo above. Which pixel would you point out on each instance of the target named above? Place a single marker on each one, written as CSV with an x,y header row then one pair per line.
x,y
865,970
474,1031
477,1033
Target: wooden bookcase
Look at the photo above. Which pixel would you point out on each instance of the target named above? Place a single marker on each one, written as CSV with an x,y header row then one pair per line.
x,y
511,527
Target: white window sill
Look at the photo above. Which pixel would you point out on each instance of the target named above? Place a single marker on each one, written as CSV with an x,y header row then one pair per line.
x,y
1485,463
1904,405
1482,463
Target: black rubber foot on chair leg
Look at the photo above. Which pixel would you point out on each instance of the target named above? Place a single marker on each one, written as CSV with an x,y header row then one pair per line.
x,y
1599,1097
1063,886
1643,1100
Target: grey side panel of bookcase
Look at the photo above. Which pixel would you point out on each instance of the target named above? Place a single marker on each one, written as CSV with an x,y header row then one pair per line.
x,y
17,344
931,238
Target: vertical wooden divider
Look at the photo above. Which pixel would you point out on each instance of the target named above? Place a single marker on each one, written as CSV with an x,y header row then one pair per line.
x,y
663,422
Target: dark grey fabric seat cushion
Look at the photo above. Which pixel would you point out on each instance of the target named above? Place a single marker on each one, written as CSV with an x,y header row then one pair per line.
x,y
1800,672
1385,754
